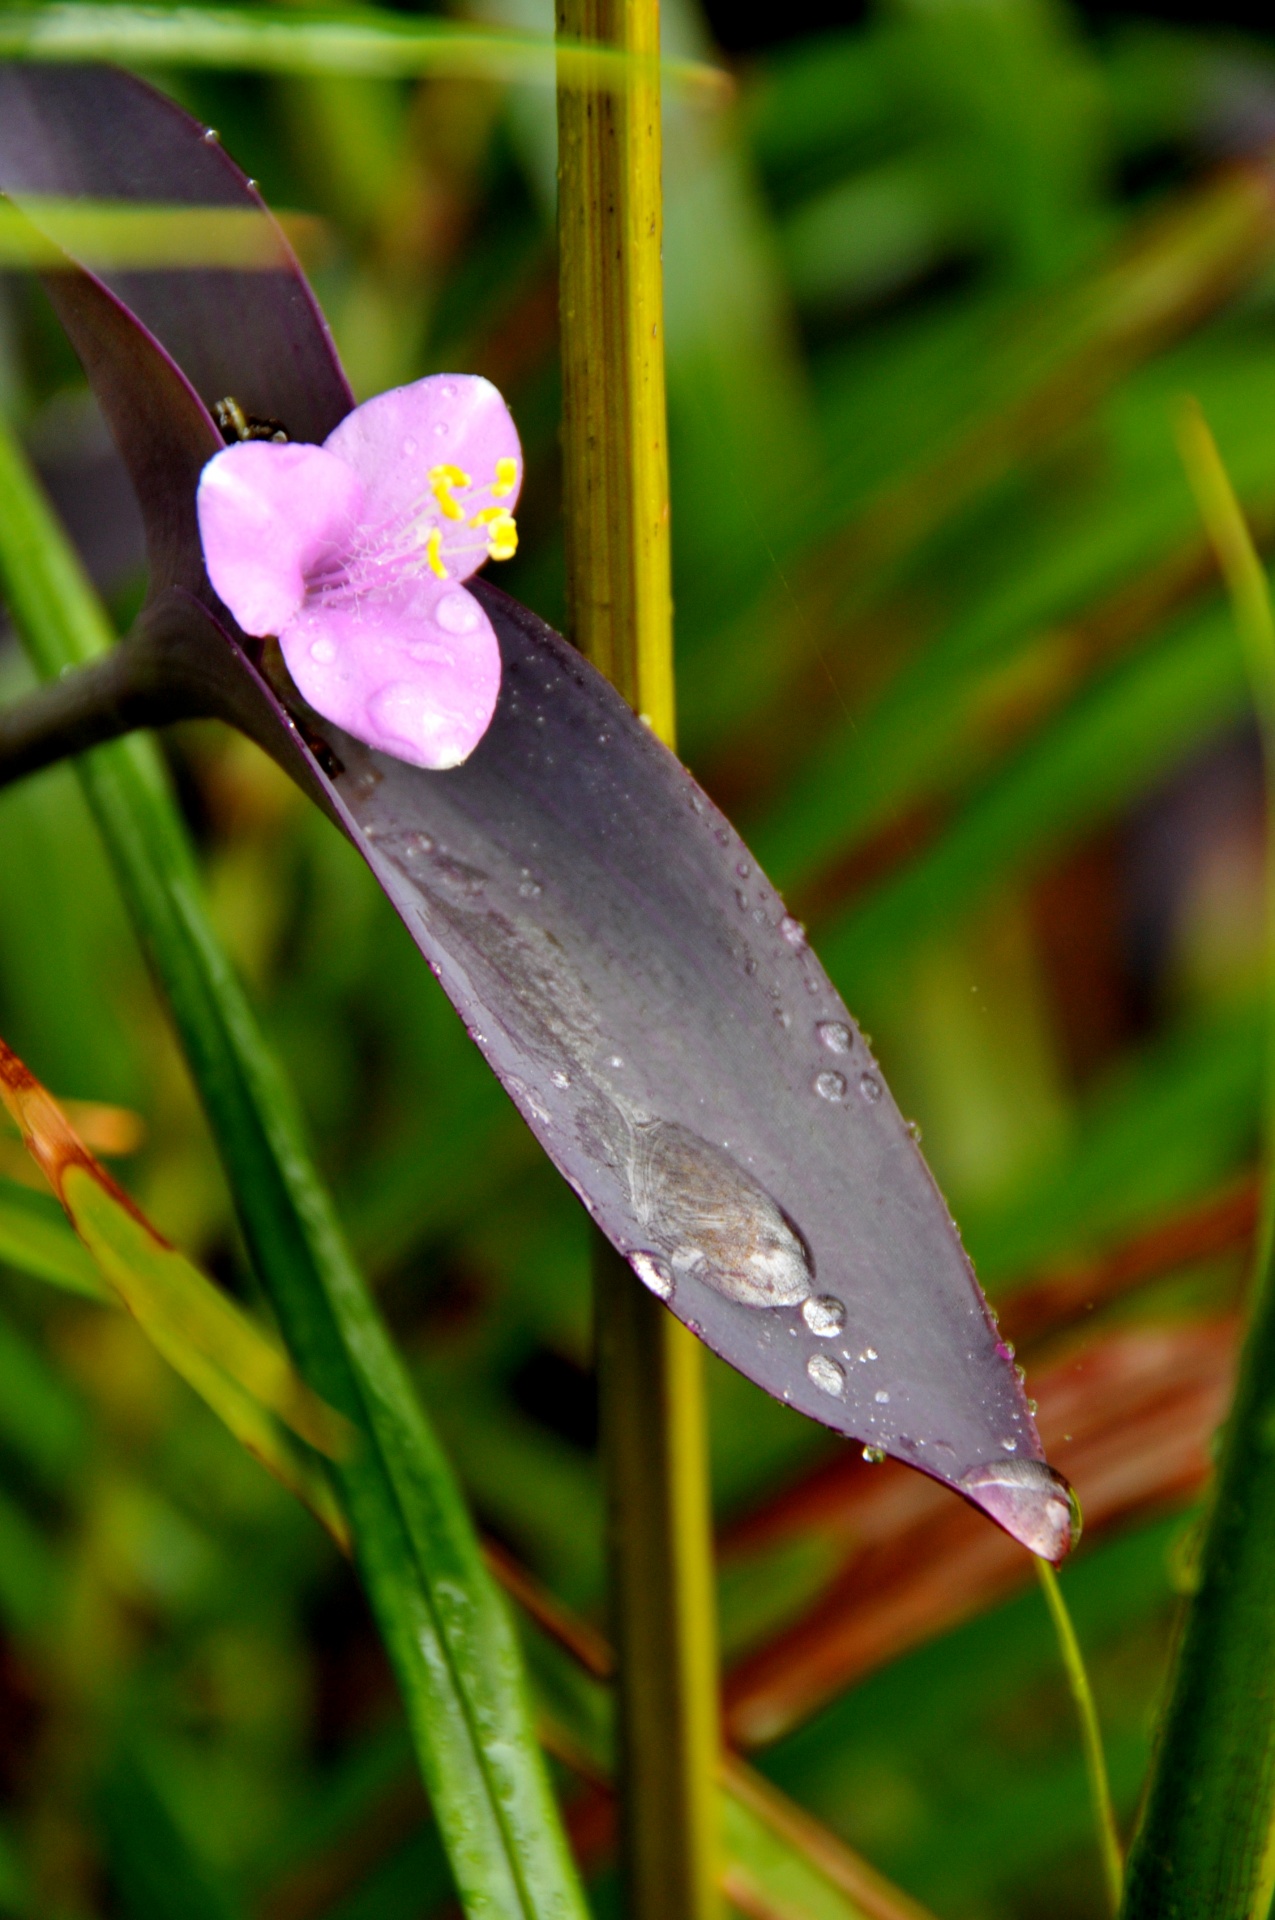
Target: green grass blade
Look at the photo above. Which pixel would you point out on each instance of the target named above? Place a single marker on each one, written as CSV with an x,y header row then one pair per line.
x,y
1090,1733
445,1626
278,40
35,1239
1203,1846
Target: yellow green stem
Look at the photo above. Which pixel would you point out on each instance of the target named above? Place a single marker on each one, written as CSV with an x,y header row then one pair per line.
x,y
1090,1734
650,1368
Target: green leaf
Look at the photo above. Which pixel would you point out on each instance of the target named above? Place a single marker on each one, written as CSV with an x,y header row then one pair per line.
x,y
35,1238
278,40
445,1626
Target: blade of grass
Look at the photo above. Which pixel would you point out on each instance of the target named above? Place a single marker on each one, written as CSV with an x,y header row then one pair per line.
x,y
445,1627
1203,1845
1090,1733
36,1239
357,41
610,220
242,1375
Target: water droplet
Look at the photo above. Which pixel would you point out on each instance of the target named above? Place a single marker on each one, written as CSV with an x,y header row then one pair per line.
x,y
615,1060
442,429
722,837
831,1086
783,1016
409,448
1010,1446
915,1131
874,1455
529,889
1031,1502
793,931
869,1353
870,1088
448,392
826,1374
653,1273
323,651
251,185
743,869
458,612
211,136
741,899
824,1314
881,1397
560,1080
1033,1408
690,1195
836,1036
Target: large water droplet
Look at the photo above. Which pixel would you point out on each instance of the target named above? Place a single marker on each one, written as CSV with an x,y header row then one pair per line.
x,y
826,1374
793,931
874,1455
458,612
831,1086
836,1036
691,1196
824,1314
1031,1502
881,1397
653,1273
870,1088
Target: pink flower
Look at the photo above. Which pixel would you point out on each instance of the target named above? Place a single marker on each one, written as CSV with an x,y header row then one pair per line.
x,y
353,554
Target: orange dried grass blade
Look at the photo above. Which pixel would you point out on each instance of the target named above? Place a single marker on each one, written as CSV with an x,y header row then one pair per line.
x,y
247,1380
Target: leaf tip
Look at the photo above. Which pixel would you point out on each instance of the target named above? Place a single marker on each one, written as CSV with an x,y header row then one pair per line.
x,y
1031,1501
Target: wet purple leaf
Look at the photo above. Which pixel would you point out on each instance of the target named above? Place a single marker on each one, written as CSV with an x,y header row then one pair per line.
x,y
630,975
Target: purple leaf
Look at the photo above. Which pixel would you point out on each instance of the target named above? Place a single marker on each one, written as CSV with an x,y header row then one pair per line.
x,y
630,975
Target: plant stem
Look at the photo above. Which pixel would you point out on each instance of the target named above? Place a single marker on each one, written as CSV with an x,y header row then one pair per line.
x,y
650,1369
1090,1733
1203,1846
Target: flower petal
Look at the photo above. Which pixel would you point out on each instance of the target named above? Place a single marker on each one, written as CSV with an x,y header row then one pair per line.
x,y
413,670
270,516
408,445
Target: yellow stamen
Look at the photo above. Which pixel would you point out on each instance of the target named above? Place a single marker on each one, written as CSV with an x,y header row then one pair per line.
x,y
442,480
433,552
506,476
502,535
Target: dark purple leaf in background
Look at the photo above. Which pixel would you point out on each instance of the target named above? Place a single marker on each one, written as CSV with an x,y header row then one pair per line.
x,y
625,968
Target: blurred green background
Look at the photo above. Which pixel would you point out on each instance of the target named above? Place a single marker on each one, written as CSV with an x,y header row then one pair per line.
x,y
952,654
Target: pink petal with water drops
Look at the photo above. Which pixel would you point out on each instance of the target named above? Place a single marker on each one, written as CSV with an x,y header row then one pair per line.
x,y
399,440
413,670
270,517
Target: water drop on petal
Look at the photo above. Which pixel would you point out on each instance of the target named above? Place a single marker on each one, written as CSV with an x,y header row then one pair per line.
x,y
458,612
653,1273
824,1314
793,931
831,1086
870,1088
826,1374
836,1036
1031,1502
323,651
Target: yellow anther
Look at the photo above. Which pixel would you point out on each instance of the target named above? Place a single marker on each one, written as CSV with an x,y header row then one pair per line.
x,y
434,552
442,480
506,476
502,536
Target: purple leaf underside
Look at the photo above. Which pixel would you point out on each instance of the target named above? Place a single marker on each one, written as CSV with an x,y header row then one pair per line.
x,y
625,968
